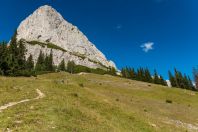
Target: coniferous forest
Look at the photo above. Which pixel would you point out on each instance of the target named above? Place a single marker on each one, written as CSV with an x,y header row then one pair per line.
x,y
13,62
143,74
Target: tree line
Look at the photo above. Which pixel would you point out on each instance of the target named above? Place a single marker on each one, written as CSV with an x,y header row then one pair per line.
x,y
180,80
143,74
13,62
177,79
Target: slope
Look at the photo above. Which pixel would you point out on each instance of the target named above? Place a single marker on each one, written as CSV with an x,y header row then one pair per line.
x,y
90,102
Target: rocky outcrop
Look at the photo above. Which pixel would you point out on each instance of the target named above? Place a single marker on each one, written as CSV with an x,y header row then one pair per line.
x,y
46,29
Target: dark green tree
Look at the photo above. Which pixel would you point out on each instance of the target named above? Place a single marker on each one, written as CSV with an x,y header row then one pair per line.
x,y
30,63
112,71
50,66
148,77
132,73
40,65
162,81
4,59
156,78
61,66
21,55
13,55
71,67
172,79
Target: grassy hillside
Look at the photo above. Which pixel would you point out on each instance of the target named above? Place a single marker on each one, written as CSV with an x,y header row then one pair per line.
x,y
92,102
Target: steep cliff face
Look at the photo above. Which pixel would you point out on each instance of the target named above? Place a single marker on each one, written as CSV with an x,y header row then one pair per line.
x,y
46,29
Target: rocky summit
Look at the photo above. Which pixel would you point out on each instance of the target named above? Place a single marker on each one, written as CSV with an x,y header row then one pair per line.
x,y
47,30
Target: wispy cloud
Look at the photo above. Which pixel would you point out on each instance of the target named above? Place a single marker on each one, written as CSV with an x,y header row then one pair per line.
x,y
146,47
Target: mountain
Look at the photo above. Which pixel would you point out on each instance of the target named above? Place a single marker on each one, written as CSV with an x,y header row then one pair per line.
x,y
47,30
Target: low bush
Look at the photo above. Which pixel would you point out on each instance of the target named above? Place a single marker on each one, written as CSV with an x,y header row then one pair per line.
x,y
169,101
81,84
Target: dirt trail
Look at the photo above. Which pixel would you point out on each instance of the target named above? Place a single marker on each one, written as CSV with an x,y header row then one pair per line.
x,y
6,106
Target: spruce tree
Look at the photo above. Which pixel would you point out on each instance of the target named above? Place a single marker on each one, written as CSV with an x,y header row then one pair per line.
x,y
112,71
156,79
132,73
21,55
4,65
50,62
162,81
172,79
13,55
71,67
140,74
61,66
148,77
190,84
40,66
30,63
123,72
13,46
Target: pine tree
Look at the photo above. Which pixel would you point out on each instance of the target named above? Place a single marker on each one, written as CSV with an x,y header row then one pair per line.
x,y
61,66
123,72
156,79
190,84
21,55
178,79
172,79
40,66
70,67
13,46
30,63
46,63
162,81
140,74
13,56
148,77
50,62
132,73
112,71
4,65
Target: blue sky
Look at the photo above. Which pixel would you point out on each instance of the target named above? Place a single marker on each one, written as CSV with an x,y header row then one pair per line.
x,y
121,28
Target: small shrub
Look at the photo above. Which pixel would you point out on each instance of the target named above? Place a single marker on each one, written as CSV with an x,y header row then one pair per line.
x,y
75,94
169,101
81,85
117,99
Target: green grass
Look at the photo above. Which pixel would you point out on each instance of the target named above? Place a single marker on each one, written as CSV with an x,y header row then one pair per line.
x,y
93,102
49,45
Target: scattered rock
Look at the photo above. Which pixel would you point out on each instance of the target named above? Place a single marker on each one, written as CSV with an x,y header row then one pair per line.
x,y
153,125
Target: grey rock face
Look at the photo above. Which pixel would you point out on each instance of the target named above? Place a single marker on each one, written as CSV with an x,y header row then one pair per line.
x,y
48,26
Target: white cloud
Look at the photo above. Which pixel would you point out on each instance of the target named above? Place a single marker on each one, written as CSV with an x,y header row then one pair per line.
x,y
146,47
